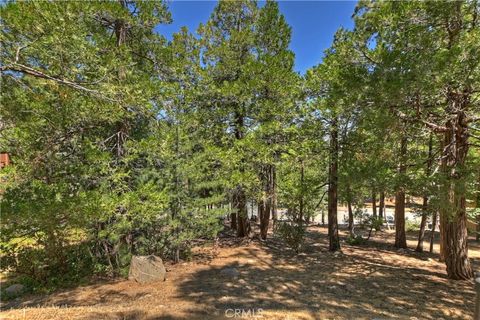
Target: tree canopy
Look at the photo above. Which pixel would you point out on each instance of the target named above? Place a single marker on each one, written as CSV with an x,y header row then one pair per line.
x,y
123,142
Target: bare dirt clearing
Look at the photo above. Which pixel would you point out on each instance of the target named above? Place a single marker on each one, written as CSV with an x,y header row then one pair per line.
x,y
363,282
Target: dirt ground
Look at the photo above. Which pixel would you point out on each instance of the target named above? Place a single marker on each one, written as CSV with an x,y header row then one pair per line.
x,y
371,281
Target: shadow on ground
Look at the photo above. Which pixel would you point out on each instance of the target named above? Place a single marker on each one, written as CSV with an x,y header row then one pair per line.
x,y
363,282
369,281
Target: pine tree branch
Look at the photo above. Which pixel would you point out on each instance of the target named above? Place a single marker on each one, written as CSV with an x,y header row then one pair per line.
x,y
17,67
431,125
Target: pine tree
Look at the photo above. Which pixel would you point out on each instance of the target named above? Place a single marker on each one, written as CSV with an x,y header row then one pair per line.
x,y
228,41
274,73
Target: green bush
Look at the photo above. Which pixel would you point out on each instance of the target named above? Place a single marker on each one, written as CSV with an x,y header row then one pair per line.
x,y
292,233
355,240
411,225
375,223
40,270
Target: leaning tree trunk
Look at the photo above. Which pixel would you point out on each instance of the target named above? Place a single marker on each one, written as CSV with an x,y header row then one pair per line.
x,y
350,211
421,233
423,223
453,217
400,237
334,241
350,218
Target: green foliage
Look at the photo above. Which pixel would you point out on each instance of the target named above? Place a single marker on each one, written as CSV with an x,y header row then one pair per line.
x,y
40,269
354,240
292,233
125,143
375,223
412,225
108,159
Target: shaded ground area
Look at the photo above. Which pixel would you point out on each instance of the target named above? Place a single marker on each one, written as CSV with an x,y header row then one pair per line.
x,y
363,282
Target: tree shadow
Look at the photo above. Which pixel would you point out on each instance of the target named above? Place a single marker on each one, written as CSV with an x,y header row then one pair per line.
x,y
362,282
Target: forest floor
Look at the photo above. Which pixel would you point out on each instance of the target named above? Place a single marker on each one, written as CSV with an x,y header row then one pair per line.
x,y
367,281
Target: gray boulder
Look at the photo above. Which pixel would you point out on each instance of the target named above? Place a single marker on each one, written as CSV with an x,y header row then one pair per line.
x,y
14,289
145,269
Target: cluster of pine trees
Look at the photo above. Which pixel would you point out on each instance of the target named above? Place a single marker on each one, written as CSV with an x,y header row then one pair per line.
x,y
132,144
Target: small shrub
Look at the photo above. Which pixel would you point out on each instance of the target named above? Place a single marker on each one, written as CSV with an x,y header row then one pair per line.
x,y
376,223
361,215
355,240
292,233
39,271
411,225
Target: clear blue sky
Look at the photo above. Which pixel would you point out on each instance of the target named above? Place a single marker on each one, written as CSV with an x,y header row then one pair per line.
x,y
313,24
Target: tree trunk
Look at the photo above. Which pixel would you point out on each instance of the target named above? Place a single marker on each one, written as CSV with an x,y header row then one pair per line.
x,y
477,202
301,204
260,208
350,218
257,216
240,199
421,233
265,219
122,127
400,237
374,203
453,217
240,204
423,223
266,200
274,194
233,215
442,253
432,235
334,241
350,211
381,208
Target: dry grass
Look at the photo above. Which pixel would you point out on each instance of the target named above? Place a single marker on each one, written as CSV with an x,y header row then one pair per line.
x,y
363,282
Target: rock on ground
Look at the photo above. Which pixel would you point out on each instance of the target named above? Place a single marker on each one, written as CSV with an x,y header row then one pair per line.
x,y
144,269
14,289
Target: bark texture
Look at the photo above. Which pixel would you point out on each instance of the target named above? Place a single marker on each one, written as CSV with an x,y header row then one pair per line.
x,y
266,203
239,197
381,208
334,241
453,218
400,237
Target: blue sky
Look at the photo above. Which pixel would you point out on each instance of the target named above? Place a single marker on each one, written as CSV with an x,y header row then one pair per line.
x,y
313,24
